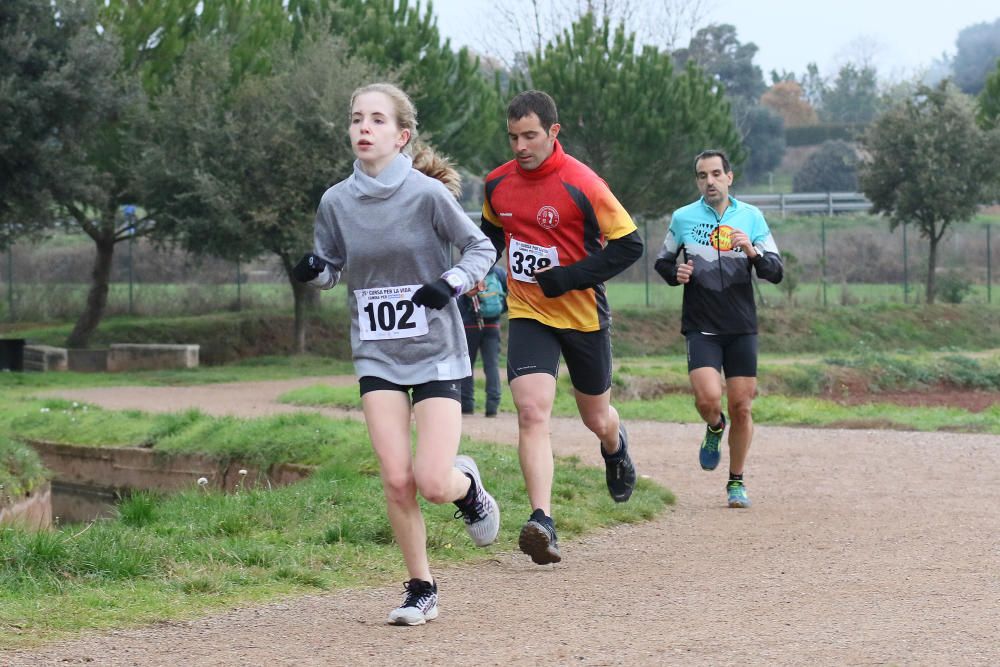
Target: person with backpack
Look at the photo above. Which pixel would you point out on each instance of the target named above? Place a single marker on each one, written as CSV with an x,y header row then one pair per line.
x,y
481,308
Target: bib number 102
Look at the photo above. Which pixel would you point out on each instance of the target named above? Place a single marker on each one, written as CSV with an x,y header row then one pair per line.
x,y
382,316
386,313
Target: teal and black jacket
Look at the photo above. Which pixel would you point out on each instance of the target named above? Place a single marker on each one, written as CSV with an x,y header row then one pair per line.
x,y
719,298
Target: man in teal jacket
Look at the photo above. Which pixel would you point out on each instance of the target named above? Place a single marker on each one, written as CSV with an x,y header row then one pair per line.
x,y
722,240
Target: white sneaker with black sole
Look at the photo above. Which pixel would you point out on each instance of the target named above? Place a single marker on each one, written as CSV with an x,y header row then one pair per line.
x,y
482,518
419,606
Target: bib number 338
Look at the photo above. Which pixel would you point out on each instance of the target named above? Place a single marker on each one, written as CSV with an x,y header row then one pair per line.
x,y
526,258
386,313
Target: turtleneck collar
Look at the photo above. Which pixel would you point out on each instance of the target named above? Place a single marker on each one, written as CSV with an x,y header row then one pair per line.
x,y
551,164
388,180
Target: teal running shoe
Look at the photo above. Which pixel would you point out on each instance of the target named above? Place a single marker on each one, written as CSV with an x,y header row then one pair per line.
x,y
708,454
737,494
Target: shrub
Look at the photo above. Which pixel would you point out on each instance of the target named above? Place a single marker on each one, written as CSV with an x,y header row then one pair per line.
x,y
952,287
833,168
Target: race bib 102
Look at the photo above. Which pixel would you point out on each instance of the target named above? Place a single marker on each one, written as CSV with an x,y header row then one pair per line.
x,y
386,313
526,258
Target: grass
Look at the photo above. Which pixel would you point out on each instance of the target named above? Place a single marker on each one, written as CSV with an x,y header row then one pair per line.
x,y
807,295
792,394
21,471
183,555
186,554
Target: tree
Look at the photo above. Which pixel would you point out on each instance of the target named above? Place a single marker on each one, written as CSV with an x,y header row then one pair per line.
x,y
238,171
460,110
73,110
930,165
140,46
977,51
853,97
764,140
832,168
156,35
525,26
717,50
642,132
988,112
787,99
51,76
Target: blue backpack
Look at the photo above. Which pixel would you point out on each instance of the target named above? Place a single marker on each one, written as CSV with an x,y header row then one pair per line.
x,y
492,299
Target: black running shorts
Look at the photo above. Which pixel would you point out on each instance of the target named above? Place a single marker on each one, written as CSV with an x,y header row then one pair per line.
x,y
735,354
533,347
433,389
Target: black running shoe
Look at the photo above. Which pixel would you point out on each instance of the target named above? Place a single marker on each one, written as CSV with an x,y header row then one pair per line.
x,y
538,539
619,470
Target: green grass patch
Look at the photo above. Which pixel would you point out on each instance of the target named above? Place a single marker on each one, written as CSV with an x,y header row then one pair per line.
x,y
169,557
794,392
21,471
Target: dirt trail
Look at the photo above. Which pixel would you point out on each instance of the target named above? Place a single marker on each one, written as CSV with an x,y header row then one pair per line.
x,y
862,547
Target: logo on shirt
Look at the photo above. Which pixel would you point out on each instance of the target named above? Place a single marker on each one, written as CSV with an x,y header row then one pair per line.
x,y
547,217
721,237
506,215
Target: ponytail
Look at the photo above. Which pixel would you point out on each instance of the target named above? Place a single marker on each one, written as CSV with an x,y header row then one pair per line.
x,y
430,163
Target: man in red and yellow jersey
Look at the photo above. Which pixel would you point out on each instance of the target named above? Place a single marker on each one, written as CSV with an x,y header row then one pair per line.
x,y
565,234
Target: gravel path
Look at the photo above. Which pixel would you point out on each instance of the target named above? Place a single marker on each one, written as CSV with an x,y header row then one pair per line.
x,y
862,548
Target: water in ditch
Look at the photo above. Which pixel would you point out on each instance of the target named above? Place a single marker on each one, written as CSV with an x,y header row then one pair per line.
x,y
78,503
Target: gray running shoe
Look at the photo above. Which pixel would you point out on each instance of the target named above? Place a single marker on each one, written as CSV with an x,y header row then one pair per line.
x,y
419,606
482,518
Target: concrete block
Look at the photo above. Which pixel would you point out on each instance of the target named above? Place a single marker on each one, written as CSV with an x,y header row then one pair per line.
x,y
87,361
131,357
45,358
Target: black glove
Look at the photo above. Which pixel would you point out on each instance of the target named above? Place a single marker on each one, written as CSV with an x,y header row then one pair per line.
x,y
434,295
308,268
555,282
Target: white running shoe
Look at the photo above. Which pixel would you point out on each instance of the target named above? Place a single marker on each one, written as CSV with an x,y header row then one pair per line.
x,y
420,605
482,519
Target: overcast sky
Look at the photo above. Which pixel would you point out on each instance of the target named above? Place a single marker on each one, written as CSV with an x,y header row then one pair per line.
x,y
900,38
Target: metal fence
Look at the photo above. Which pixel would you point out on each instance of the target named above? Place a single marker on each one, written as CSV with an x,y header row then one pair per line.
x,y
829,203
831,260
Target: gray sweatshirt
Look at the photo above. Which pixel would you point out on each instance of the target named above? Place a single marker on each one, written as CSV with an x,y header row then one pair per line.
x,y
393,234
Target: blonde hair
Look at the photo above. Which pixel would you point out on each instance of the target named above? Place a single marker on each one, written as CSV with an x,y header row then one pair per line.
x,y
435,165
425,159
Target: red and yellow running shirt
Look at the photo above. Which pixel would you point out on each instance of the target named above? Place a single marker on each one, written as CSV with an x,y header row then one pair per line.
x,y
554,215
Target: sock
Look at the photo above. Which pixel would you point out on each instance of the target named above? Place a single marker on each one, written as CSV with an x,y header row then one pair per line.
x,y
617,453
733,477
721,425
470,496
540,516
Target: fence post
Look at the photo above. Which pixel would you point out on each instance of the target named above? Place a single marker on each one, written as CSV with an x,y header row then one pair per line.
x,y
989,267
906,281
239,281
645,259
130,219
10,282
822,260
829,203
781,204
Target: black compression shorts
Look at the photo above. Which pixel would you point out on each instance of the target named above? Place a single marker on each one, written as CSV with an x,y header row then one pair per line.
x,y
533,347
433,389
735,354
